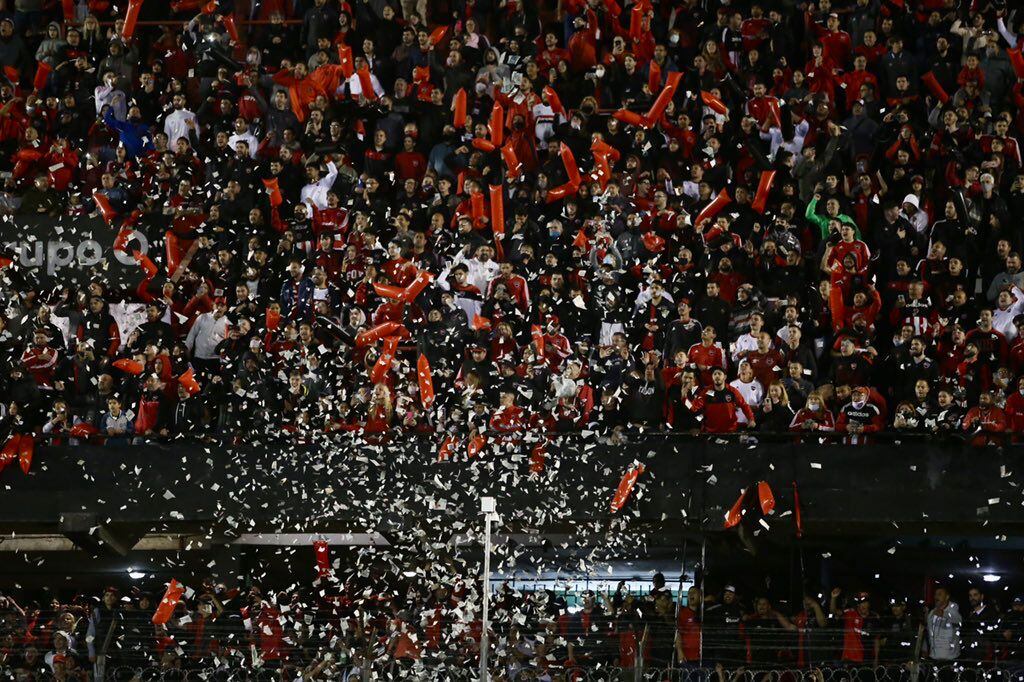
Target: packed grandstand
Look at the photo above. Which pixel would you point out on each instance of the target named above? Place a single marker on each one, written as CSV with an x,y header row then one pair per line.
x,y
485,218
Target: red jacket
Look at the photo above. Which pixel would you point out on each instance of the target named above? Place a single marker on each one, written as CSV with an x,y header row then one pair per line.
x,y
719,409
988,422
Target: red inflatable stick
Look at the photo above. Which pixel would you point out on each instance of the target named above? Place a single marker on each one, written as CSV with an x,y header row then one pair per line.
x,y
437,35
538,457
497,125
459,109
272,319
626,485
416,286
103,204
322,552
664,97
383,364
82,430
1017,61
274,188
388,291
426,381
366,84
146,263
560,192
26,447
129,366
372,335
173,252
42,75
483,145
122,239
654,77
477,206
345,60
232,28
636,23
475,445
130,18
715,104
10,450
773,106
553,100
714,208
537,334
497,219
571,169
935,87
444,452
631,118
165,609
188,381
764,188
508,154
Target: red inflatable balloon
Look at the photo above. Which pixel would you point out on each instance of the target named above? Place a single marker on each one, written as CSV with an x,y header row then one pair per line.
x,y
459,117
42,74
626,485
130,18
129,366
764,188
426,381
165,609
26,447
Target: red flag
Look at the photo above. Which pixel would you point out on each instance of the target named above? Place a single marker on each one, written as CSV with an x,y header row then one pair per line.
x,y
383,364
626,485
764,188
345,60
68,8
165,609
426,381
130,17
42,74
188,380
497,125
129,366
459,107
497,219
322,552
714,208
714,103
480,323
580,239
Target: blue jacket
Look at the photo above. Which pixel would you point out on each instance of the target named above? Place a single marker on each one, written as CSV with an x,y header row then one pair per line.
x,y
297,298
134,136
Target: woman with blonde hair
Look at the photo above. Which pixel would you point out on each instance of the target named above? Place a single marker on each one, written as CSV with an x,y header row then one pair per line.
x,y
775,414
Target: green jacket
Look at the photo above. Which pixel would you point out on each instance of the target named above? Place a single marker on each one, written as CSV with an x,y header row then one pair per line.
x,y
822,221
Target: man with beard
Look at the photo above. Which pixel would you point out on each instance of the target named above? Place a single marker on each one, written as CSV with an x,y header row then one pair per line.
x,y
980,627
722,638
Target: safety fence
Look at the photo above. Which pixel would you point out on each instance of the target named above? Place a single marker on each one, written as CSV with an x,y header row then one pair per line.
x,y
925,671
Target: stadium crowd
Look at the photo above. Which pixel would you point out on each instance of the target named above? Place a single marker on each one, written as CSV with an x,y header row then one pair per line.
x,y
402,625
483,217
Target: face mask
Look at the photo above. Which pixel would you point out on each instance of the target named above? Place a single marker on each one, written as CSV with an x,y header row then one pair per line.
x,y
987,186
554,234
674,38
813,407
858,404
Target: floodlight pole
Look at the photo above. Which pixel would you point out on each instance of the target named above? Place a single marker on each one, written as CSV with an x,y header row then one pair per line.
x,y
487,508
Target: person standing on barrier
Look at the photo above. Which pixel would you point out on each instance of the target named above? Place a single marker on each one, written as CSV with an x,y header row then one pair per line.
x,y
944,622
897,634
723,642
858,624
980,626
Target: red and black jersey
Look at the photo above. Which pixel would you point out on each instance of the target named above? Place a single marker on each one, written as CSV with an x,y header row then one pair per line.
x,y
718,407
